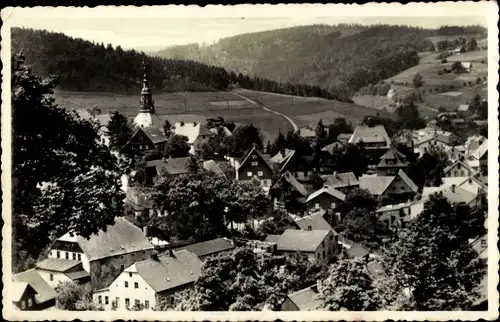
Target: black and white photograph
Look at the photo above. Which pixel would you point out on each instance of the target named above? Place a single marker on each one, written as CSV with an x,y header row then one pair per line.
x,y
293,162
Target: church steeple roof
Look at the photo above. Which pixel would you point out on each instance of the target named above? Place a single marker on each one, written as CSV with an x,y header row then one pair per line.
x,y
147,103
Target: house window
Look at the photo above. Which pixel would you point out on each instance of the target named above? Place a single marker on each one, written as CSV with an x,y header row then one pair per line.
x,y
99,299
129,274
324,254
483,242
260,173
122,267
23,305
79,257
117,302
462,173
255,163
30,302
126,284
127,302
332,205
172,300
146,304
74,256
137,302
136,285
51,277
106,300
67,255
249,173
58,254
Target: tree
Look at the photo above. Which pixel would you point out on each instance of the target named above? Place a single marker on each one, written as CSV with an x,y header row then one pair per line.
x,y
316,181
167,128
457,67
64,180
118,130
72,296
244,137
320,130
471,45
279,143
431,266
177,146
417,81
276,225
348,287
408,114
362,226
194,167
359,198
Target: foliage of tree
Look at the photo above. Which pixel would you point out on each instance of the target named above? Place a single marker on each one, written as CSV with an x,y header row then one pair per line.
x,y
118,130
363,55
479,107
285,192
348,287
167,128
471,44
351,158
276,224
243,139
242,280
431,265
200,205
457,67
359,198
72,296
428,170
418,80
64,179
408,114
177,146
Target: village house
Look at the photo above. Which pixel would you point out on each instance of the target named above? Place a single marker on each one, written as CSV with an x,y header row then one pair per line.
x,y
23,296
399,185
191,130
254,165
395,216
145,282
332,147
106,254
467,66
60,270
371,137
343,182
326,198
208,248
455,194
202,138
315,245
303,300
435,139
463,109
391,162
455,153
316,221
481,154
44,295
291,161
458,169
308,133
171,166
287,178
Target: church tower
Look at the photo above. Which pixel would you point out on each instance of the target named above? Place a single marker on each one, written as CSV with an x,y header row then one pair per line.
x,y
147,117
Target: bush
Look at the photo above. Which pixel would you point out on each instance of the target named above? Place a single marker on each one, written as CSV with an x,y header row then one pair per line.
x,y
444,61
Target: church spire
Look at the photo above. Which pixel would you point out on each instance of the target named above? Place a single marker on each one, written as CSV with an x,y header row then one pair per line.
x,y
147,103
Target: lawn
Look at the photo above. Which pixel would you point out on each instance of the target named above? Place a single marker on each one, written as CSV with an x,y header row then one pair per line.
x,y
187,107
309,110
375,101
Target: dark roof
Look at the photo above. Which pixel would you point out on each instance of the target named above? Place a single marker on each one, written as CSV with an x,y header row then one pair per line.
x,y
168,272
340,180
392,154
57,264
17,290
301,240
305,299
330,148
78,275
44,291
272,238
315,221
264,158
204,131
209,247
154,134
288,177
120,238
171,166
212,166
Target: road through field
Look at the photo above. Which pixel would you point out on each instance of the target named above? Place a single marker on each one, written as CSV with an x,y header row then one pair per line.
x,y
295,127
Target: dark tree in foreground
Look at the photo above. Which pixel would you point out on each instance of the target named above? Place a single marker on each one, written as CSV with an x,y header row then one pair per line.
x,y
63,179
118,130
431,266
177,146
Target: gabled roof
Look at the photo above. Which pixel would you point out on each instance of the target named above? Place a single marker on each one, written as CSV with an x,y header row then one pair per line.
x,y
463,107
212,166
288,177
17,290
444,137
447,182
254,149
282,156
340,180
330,148
458,194
481,150
367,134
315,221
328,190
305,299
463,164
190,130
471,179
57,264
154,134
376,185
344,137
169,272
394,207
171,166
209,247
77,275
120,238
306,132
392,154
407,180
103,119
44,291
301,240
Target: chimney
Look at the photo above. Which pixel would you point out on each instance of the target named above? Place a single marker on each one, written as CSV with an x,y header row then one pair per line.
x,y
154,255
254,145
194,123
453,188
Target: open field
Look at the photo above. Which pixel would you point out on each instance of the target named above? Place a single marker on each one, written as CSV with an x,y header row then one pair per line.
x,y
309,110
187,107
375,101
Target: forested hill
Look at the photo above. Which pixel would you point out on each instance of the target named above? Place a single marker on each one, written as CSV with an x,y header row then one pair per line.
x,y
342,58
86,66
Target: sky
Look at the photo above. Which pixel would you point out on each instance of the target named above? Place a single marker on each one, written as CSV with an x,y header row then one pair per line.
x,y
154,27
